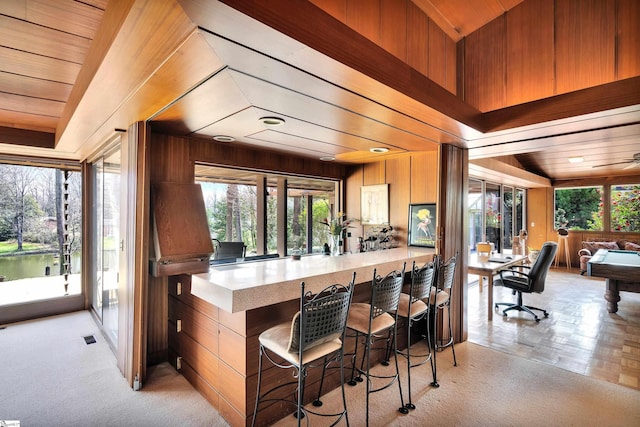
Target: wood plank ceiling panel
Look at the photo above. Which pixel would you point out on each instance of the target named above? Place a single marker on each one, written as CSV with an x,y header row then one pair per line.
x,y
33,87
27,37
81,18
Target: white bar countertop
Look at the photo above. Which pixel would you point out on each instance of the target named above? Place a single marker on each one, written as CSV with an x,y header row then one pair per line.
x,y
245,286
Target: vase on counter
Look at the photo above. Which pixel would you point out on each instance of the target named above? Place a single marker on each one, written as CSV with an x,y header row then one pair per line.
x,y
336,244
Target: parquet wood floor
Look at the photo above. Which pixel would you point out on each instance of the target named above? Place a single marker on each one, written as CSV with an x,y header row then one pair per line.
x,y
579,335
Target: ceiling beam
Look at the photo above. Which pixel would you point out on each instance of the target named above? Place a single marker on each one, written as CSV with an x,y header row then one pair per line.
x,y
31,138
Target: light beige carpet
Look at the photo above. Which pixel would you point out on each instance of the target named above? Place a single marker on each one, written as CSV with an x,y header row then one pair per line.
x,y
50,377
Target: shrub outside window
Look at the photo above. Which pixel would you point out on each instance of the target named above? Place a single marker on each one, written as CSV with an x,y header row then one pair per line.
x,y
625,208
579,208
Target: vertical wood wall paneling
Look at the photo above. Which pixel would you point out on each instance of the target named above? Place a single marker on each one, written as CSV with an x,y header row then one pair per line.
x,y
373,173
393,25
530,52
424,177
399,180
628,39
452,230
139,135
363,16
536,200
437,55
484,66
335,8
353,183
451,66
585,44
417,38
169,161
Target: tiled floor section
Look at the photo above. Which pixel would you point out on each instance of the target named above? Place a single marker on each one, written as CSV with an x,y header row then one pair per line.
x,y
579,335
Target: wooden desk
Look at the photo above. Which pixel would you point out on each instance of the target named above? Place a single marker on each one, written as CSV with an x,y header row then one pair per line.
x,y
485,268
215,319
620,268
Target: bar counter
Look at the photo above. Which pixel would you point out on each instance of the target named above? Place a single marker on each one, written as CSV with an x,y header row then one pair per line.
x,y
215,319
245,286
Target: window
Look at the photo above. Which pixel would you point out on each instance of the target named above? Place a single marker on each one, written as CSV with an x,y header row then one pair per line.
x,y
232,202
496,214
579,208
40,233
625,208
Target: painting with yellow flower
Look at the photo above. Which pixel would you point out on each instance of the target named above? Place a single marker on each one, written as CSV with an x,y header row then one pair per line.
x,y
422,225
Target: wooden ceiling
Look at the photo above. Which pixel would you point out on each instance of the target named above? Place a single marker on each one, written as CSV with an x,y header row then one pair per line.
x,y
70,74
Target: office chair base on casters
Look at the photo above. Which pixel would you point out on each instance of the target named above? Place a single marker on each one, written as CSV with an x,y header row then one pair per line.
x,y
526,308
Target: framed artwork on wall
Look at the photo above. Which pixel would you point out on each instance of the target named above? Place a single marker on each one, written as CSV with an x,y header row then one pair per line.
x,y
422,225
374,204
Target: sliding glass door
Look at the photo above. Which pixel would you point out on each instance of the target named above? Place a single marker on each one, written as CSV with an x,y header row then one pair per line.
x,y
106,242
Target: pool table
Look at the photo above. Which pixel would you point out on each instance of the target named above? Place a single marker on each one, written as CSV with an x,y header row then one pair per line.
x,y
622,271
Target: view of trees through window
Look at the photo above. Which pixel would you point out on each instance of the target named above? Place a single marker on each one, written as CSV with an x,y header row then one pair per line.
x,y
231,202
31,221
583,208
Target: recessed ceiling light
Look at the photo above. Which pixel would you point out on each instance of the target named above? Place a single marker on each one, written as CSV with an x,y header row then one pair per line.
x,y
576,159
327,158
378,150
272,121
224,138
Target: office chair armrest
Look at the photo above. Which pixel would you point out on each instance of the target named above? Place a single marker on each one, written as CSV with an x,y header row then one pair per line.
x,y
513,272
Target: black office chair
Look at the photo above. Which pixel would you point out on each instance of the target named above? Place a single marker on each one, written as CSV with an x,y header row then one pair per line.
x,y
530,282
314,338
226,250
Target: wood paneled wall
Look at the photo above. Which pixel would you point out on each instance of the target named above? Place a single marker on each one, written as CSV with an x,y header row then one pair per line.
x,y
543,48
412,179
172,159
402,29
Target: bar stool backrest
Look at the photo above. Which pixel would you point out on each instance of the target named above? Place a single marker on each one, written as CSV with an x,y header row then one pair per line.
x,y
447,273
422,279
324,316
385,293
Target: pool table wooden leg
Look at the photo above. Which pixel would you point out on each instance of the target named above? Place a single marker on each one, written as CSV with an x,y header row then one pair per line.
x,y
612,295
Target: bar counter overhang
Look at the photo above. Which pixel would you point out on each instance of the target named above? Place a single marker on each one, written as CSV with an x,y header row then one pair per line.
x,y
215,319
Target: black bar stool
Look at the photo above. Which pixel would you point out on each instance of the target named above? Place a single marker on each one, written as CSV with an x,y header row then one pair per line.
x,y
415,307
374,320
441,299
316,333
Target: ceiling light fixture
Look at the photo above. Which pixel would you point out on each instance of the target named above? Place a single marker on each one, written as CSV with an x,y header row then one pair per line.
x,y
378,150
327,158
224,138
576,159
272,121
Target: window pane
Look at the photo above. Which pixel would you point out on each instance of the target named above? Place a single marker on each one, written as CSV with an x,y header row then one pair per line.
x,y
296,221
507,208
579,208
625,208
475,213
36,204
493,216
321,207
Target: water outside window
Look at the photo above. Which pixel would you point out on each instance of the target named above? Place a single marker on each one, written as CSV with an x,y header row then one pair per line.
x,y
32,235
